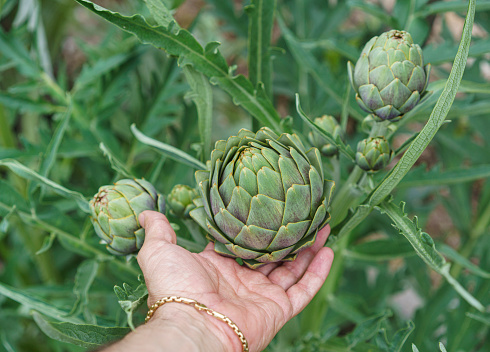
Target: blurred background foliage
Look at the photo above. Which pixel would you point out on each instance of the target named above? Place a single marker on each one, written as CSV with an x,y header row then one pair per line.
x,y
71,85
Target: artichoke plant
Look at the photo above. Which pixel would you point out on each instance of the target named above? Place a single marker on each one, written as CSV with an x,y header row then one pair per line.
x,y
180,200
329,124
390,77
373,154
115,209
263,197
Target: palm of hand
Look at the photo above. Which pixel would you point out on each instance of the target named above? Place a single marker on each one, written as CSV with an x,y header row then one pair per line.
x,y
259,301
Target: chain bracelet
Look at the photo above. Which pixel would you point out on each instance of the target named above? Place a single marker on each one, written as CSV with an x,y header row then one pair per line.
x,y
202,308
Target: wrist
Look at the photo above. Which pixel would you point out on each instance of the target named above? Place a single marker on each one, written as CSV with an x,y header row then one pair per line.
x,y
201,331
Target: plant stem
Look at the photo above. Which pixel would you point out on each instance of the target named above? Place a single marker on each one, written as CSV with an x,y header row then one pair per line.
x,y
316,311
345,197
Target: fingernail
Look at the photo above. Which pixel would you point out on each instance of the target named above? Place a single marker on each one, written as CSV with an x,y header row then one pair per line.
x,y
141,219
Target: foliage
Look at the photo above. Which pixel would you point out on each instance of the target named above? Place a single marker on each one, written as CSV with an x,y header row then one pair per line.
x,y
84,103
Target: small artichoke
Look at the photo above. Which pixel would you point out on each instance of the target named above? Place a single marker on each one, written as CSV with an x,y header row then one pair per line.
x,y
373,154
180,200
389,77
115,209
329,124
263,198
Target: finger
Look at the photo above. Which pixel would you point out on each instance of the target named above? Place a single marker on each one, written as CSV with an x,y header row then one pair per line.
x,y
267,269
303,292
209,247
157,228
289,273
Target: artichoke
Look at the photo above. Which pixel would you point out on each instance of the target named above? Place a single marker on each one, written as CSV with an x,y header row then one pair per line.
x,y
389,77
180,200
115,209
373,154
263,197
329,124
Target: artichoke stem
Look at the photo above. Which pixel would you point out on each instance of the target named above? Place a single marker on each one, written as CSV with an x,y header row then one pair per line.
x,y
345,197
315,312
379,129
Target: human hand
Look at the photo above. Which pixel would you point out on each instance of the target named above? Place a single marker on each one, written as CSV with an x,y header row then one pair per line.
x,y
259,301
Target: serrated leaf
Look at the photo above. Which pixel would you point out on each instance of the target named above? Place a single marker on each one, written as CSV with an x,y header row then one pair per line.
x,y
183,45
401,337
425,248
85,335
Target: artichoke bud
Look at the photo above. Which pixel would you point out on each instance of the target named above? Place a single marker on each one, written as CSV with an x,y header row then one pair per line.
x,y
373,154
264,198
329,124
390,77
181,200
115,209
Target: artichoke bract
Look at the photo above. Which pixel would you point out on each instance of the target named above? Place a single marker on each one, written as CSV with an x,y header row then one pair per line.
x,y
390,77
263,198
373,154
329,124
180,200
115,209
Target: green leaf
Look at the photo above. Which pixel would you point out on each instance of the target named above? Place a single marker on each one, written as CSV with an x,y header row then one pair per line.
x,y
160,12
343,148
49,157
481,317
261,20
368,328
320,73
116,164
85,335
131,299
380,250
375,11
425,248
12,48
419,177
35,303
29,174
458,258
29,105
11,200
208,61
441,53
436,118
47,243
401,337
168,150
450,6
202,95
84,279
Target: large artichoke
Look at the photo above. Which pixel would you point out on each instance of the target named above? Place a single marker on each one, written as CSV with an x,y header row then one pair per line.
x,y
115,209
373,154
329,124
180,200
263,198
389,77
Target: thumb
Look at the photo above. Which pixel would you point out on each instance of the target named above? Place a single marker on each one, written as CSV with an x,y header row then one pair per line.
x,y
157,228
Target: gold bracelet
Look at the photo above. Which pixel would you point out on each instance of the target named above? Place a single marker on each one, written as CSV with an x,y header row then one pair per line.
x,y
202,308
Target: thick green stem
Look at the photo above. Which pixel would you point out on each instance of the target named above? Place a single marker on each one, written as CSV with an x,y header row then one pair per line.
x,y
316,311
345,197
